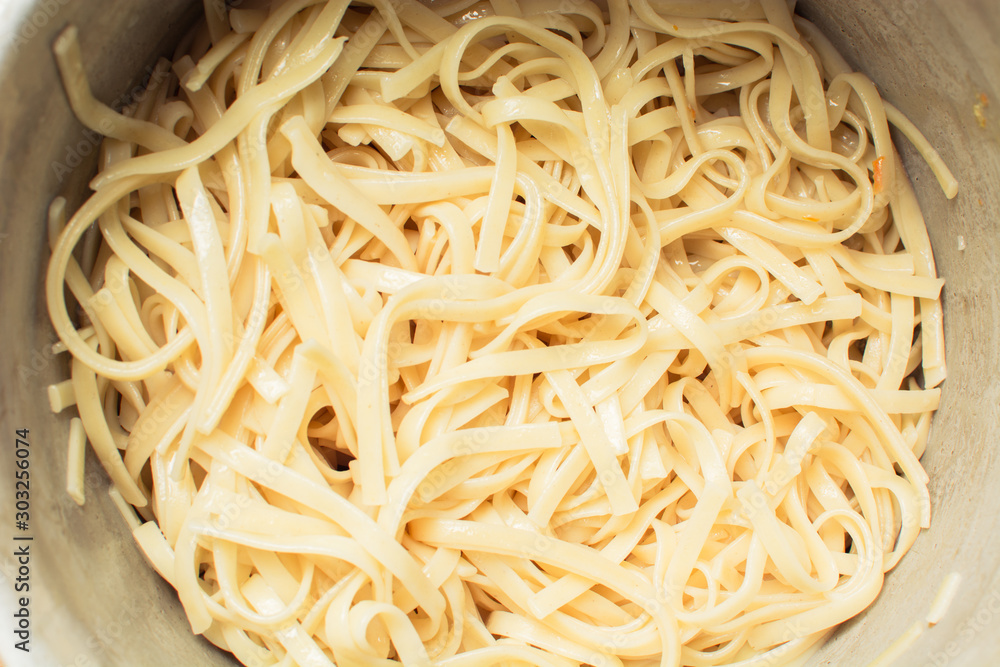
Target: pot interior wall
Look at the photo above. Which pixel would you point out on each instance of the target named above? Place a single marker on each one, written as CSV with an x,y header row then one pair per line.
x,y
933,60
94,599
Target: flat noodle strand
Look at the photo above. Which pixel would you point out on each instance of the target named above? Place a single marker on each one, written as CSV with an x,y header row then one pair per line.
x,y
470,334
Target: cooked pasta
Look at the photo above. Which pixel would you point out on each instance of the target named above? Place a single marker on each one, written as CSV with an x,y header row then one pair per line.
x,y
500,333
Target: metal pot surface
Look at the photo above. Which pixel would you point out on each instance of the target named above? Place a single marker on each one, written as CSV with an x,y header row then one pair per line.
x,y
94,600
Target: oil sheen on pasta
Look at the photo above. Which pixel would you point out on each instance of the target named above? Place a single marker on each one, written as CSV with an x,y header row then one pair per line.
x,y
504,333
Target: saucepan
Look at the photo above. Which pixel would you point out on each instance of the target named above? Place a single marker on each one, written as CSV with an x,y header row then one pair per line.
x,y
92,600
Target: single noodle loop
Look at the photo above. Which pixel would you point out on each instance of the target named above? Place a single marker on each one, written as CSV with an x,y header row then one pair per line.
x,y
504,333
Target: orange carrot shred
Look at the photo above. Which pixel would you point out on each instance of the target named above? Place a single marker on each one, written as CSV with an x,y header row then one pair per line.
x,y
877,169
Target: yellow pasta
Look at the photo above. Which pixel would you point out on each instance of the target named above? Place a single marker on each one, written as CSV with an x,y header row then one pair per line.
x,y
481,333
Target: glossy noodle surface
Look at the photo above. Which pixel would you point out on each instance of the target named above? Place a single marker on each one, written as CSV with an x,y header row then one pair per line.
x,y
538,333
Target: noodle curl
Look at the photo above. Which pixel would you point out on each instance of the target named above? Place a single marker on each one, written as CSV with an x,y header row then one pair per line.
x,y
477,333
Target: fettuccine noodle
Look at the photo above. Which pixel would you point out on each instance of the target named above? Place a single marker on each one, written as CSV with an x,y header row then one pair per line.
x,y
504,333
